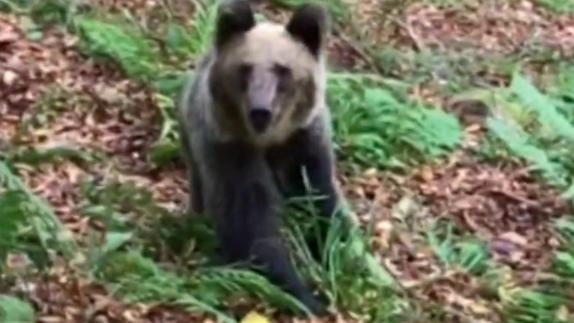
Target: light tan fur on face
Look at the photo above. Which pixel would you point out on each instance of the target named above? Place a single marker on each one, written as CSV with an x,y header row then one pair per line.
x,y
268,44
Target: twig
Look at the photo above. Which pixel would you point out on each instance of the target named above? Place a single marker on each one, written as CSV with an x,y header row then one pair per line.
x,y
431,280
414,37
363,55
512,196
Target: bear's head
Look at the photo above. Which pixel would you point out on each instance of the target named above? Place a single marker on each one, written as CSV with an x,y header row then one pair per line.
x,y
269,77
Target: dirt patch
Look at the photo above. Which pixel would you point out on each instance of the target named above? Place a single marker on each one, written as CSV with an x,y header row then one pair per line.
x,y
501,27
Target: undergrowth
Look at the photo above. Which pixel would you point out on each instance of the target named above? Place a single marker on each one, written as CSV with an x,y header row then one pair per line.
x,y
538,127
561,6
535,127
375,127
150,254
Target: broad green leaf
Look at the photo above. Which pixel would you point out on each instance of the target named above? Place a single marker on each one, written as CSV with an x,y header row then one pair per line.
x,y
543,106
15,310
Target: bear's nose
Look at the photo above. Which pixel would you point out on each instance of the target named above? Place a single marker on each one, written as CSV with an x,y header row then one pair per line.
x,y
260,118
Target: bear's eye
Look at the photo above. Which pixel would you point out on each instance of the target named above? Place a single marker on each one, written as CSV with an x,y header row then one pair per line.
x,y
284,76
281,70
244,72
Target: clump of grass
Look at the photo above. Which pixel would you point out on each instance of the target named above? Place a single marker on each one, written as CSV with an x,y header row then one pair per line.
x,y
13,309
561,91
347,268
375,128
138,279
347,273
28,223
136,55
536,305
204,288
560,6
468,254
564,258
127,207
535,127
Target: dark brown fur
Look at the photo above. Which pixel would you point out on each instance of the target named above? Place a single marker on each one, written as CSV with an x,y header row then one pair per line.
x,y
239,174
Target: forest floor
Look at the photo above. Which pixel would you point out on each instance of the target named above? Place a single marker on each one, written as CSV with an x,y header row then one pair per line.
x,y
454,123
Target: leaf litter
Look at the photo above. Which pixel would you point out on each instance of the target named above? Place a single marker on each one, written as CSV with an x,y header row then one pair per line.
x,y
501,204
503,27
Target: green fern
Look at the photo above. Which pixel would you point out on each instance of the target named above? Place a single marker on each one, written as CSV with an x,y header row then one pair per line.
x,y
542,105
564,259
546,140
373,127
135,54
137,278
15,310
518,141
22,202
468,254
560,6
535,305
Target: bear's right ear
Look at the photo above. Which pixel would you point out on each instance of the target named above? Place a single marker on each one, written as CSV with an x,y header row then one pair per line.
x,y
234,17
310,24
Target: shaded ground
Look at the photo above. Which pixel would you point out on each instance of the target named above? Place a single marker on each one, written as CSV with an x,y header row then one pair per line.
x,y
52,96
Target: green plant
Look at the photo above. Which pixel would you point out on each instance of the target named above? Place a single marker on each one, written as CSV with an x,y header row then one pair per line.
x,y
23,210
18,234
560,6
137,278
375,128
535,127
135,54
468,254
347,272
564,258
15,310
540,306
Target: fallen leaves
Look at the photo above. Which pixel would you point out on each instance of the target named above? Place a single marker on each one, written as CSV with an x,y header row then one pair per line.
x,y
63,296
91,105
502,204
97,107
499,27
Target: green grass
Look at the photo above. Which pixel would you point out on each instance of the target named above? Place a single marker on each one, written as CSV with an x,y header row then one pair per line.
x,y
468,254
529,306
29,222
564,258
538,128
14,310
535,127
150,254
205,287
559,6
375,127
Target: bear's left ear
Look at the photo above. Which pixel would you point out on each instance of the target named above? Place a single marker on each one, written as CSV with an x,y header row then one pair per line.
x,y
310,24
234,17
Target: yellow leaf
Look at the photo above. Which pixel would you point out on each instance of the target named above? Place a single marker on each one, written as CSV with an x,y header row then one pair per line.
x,y
254,317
